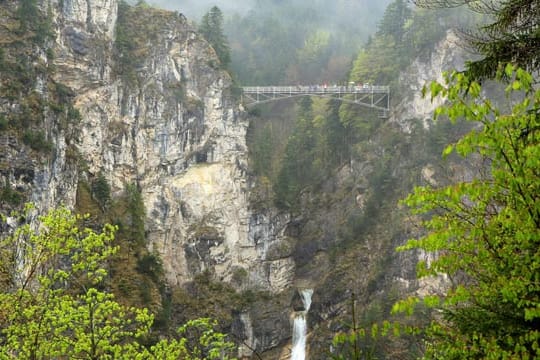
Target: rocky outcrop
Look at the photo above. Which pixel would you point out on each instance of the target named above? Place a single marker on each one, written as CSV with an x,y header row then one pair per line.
x,y
173,129
446,56
159,115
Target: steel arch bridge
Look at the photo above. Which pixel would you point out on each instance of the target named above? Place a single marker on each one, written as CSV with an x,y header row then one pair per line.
x,y
372,96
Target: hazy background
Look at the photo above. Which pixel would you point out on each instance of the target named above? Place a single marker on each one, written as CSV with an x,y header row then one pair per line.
x,y
290,41
194,9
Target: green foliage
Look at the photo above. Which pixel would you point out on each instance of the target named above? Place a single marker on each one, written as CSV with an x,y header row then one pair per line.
x,y
208,344
135,274
151,265
314,55
211,28
4,123
425,28
2,59
137,29
54,306
395,17
509,35
124,42
73,115
485,233
37,140
101,190
402,35
365,343
333,146
261,151
379,63
22,63
27,12
208,297
32,20
319,144
297,171
40,317
136,214
10,195
63,93
373,337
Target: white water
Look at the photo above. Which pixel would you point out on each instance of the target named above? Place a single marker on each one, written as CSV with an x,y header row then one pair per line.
x,y
300,327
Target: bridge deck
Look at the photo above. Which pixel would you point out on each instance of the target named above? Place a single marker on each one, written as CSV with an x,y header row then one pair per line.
x,y
373,96
316,89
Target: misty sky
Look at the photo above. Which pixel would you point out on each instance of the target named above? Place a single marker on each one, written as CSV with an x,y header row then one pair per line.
x,y
194,9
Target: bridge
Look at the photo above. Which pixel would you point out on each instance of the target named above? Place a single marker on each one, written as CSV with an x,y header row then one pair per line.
x,y
372,96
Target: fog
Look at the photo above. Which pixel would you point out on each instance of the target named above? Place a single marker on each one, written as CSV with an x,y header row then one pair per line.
x,y
194,9
278,41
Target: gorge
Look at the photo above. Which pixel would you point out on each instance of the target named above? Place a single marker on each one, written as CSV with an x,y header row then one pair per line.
x,y
125,113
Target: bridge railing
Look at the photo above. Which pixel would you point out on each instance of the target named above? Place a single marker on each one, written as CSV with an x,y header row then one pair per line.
x,y
316,89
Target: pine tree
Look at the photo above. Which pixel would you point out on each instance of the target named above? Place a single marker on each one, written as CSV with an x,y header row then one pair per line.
x,y
394,19
211,29
511,36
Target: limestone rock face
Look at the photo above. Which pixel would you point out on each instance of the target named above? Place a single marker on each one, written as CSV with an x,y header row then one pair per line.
x,y
163,119
91,15
167,124
85,31
446,56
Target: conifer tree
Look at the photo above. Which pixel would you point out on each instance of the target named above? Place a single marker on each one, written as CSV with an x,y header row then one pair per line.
x,y
394,19
211,28
511,36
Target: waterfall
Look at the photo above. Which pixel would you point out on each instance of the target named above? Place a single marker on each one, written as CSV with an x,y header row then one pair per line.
x,y
300,327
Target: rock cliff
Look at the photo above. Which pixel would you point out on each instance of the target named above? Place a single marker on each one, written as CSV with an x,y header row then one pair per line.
x,y
447,56
149,106
164,119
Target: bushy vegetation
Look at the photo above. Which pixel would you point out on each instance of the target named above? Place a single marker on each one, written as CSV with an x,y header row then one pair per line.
x,y
37,140
21,64
485,233
402,35
33,23
509,34
136,274
101,190
55,306
11,196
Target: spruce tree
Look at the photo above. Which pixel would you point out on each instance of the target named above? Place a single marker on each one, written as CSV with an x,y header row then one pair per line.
x,y
511,36
211,28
